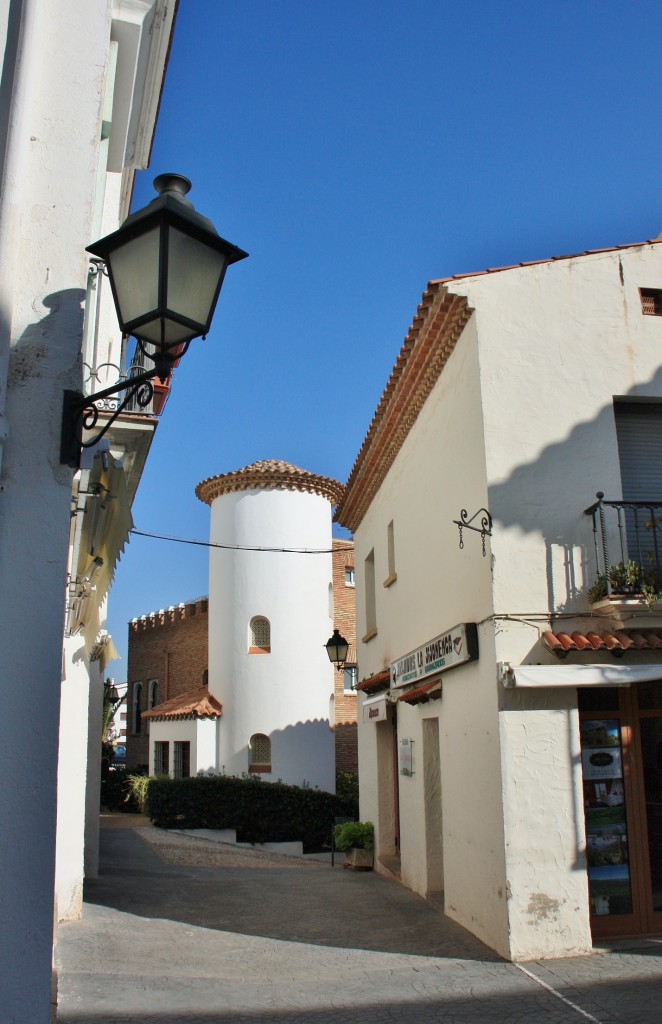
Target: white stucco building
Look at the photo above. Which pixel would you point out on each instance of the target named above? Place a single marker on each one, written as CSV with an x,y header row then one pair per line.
x,y
81,86
265,708
504,771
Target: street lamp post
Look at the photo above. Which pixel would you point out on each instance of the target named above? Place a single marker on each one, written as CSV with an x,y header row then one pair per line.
x,y
166,265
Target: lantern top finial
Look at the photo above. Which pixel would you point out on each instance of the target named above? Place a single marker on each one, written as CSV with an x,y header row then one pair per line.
x,y
170,182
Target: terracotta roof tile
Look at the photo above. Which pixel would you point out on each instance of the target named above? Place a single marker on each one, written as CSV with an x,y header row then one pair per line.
x,y
269,474
439,321
421,694
194,704
616,642
371,684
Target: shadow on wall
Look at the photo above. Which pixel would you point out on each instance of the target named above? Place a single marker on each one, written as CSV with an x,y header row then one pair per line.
x,y
525,498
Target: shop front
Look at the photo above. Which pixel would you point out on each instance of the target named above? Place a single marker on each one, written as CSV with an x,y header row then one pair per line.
x,y
620,729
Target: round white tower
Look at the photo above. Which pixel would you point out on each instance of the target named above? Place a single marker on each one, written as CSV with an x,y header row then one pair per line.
x,y
270,614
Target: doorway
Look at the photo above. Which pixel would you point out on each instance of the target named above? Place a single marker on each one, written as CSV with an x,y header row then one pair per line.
x,y
621,743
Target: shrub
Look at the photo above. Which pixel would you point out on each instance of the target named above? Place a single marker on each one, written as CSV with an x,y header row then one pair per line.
x,y
269,812
347,787
358,834
118,792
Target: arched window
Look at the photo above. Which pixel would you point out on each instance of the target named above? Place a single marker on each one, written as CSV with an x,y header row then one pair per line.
x,y
153,696
259,753
259,635
205,677
136,720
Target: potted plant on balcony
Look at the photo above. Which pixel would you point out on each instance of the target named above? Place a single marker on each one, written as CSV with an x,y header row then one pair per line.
x,y
628,580
357,840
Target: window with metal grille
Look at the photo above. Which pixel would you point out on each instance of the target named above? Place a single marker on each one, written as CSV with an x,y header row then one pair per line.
x,y
181,767
259,635
161,757
259,753
651,301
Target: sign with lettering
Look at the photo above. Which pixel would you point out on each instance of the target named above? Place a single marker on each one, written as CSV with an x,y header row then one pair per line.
x,y
374,709
455,647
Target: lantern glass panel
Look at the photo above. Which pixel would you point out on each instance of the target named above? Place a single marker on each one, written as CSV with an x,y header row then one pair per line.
x,y
165,333
134,267
194,273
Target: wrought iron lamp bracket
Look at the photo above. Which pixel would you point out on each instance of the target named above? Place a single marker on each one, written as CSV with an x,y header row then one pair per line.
x,y
465,523
81,412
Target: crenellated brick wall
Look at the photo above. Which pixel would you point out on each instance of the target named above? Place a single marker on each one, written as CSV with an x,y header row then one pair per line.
x,y
169,646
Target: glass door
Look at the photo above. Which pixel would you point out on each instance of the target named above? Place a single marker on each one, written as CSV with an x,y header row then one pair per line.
x,y
621,744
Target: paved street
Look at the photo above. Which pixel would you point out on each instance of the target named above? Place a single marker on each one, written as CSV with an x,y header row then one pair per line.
x,y
181,930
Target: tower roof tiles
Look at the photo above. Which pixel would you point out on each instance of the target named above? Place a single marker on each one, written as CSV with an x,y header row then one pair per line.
x,y
269,474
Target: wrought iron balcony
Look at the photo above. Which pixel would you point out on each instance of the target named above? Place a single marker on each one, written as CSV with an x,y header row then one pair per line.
x,y
627,538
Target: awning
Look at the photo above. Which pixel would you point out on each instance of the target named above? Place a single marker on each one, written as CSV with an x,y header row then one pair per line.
x,y
422,694
577,675
101,523
374,708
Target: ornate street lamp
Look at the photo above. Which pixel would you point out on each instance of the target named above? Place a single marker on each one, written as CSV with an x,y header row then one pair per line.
x,y
337,648
166,266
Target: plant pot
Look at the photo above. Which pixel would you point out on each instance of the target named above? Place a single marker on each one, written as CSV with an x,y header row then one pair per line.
x,y
359,860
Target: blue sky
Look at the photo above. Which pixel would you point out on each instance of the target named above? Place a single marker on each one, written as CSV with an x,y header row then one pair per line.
x,y
358,150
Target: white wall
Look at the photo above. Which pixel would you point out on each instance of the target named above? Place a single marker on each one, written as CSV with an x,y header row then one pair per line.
x,y
284,694
439,471
47,212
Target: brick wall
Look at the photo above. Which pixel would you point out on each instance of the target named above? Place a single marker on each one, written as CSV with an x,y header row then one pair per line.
x,y
344,620
171,647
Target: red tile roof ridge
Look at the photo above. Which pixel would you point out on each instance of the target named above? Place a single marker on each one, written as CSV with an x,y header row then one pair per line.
x,y
546,259
199,703
616,642
424,353
269,474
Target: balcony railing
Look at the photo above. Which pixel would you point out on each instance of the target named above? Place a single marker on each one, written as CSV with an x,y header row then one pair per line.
x,y
627,537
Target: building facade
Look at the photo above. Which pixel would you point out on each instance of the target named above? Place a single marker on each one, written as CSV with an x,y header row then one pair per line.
x,y
511,709
79,96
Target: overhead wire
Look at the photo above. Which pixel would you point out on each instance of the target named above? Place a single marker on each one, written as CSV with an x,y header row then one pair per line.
x,y
231,547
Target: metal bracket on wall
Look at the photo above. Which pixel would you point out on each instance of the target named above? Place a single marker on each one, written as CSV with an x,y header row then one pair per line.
x,y
485,528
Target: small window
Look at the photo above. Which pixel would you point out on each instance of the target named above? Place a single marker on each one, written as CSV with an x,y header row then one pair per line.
x,y
370,606
349,576
181,768
259,753
161,757
205,677
153,697
259,635
136,720
349,684
390,539
651,301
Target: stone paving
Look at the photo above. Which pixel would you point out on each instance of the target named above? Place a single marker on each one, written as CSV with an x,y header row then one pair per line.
x,y
169,938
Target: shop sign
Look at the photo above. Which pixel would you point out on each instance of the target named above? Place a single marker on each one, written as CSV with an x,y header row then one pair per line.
x,y
455,647
374,709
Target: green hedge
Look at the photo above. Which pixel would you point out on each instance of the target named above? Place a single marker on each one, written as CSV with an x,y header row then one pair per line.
x,y
261,812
